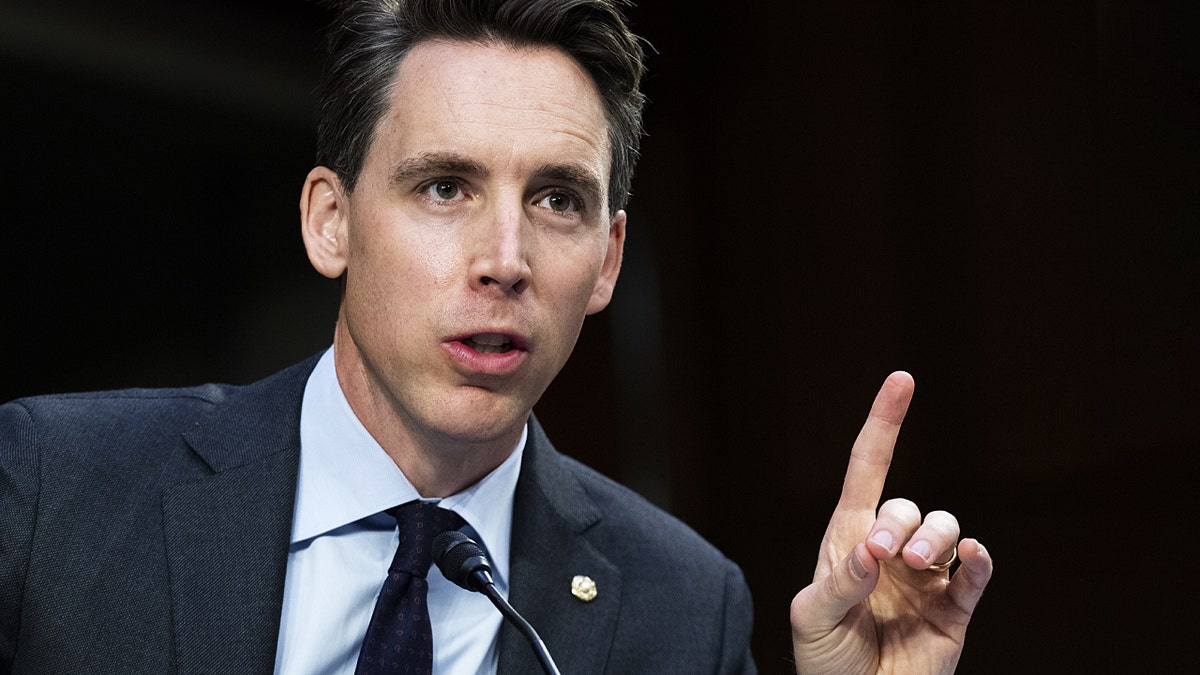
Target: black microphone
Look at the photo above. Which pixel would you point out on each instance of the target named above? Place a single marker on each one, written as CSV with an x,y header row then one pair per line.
x,y
462,561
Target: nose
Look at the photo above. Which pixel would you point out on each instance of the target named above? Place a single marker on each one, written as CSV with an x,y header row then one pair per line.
x,y
499,259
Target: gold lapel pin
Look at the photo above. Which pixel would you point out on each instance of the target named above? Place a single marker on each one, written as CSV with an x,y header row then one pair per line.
x,y
583,588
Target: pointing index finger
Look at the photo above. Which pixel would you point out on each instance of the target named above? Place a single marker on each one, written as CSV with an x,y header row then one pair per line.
x,y
872,452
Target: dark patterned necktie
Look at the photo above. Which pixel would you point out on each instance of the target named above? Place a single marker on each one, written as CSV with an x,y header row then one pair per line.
x,y
399,638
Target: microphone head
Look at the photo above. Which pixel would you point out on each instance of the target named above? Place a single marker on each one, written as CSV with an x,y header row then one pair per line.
x,y
461,560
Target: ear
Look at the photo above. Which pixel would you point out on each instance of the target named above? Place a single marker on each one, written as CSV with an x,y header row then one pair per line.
x,y
323,212
611,267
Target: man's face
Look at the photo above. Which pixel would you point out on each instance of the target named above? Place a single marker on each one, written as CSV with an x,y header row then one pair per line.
x,y
475,241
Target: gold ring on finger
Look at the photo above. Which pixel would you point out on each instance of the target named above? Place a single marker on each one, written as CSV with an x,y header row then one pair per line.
x,y
943,566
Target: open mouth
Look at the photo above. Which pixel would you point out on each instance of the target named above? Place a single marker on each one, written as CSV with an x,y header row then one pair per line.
x,y
489,343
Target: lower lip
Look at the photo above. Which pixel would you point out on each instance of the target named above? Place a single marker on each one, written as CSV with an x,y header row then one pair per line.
x,y
500,363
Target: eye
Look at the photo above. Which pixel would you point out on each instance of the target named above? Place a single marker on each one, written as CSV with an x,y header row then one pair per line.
x,y
559,202
444,189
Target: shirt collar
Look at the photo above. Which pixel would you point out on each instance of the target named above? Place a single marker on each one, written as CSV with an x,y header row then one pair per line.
x,y
345,475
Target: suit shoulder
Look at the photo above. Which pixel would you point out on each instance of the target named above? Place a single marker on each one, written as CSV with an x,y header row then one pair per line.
x,y
103,433
92,412
210,393
153,401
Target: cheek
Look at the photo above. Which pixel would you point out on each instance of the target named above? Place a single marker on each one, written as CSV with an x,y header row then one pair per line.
x,y
575,277
396,255
442,261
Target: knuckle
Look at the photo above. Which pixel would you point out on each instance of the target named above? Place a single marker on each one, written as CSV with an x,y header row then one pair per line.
x,y
942,522
900,509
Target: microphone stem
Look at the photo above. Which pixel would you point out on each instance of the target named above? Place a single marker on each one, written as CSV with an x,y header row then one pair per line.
x,y
522,625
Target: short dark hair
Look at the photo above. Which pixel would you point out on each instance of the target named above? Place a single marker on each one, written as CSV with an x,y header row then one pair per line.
x,y
368,39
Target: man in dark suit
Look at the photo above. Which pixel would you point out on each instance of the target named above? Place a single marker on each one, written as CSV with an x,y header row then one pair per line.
x,y
474,159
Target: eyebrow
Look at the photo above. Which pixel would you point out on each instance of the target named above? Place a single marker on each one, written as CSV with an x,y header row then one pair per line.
x,y
434,164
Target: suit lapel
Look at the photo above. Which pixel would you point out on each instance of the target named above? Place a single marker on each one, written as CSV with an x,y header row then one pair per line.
x,y
227,534
551,513
227,544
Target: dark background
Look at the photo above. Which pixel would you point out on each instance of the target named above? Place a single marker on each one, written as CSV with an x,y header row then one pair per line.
x,y
1000,197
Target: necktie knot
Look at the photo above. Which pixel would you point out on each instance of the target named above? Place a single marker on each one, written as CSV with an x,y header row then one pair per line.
x,y
420,523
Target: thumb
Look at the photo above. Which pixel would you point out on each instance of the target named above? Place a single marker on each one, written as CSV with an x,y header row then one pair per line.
x,y
821,606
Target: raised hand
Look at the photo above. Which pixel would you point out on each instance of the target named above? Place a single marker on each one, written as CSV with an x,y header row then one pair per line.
x,y
882,598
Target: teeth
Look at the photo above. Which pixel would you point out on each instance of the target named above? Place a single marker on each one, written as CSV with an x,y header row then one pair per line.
x,y
488,343
493,349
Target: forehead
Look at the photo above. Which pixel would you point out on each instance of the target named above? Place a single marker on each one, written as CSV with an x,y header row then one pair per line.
x,y
494,103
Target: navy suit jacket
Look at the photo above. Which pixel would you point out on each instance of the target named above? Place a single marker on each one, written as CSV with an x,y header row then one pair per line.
x,y
147,531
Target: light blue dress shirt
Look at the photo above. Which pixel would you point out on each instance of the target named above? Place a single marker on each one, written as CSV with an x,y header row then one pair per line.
x,y
342,544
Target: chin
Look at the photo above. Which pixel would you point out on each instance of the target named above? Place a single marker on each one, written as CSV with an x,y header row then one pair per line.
x,y
472,422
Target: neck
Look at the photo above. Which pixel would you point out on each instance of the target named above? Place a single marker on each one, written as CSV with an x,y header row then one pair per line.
x,y
437,461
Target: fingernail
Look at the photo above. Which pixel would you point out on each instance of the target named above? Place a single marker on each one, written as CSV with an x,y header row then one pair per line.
x,y
857,570
923,550
883,538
